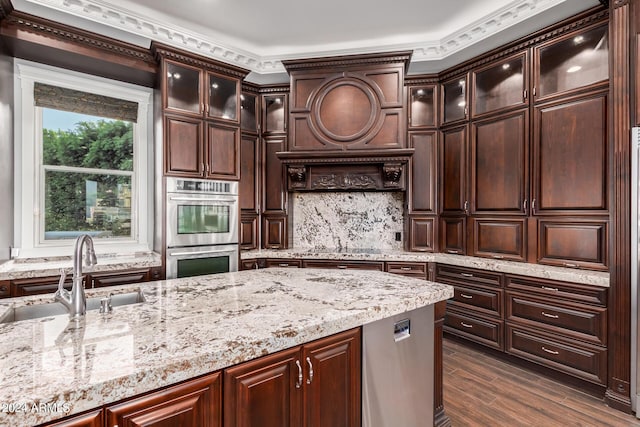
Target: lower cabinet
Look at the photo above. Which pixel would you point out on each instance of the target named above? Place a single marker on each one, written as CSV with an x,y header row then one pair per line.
x,y
46,285
343,265
90,419
195,403
315,385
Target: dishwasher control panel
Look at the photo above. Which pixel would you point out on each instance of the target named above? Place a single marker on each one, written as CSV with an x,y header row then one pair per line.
x,y
401,330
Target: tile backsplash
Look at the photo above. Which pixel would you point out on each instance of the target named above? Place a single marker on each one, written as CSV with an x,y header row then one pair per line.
x,y
347,220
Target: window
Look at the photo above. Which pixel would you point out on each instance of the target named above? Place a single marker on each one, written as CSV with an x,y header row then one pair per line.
x,y
82,163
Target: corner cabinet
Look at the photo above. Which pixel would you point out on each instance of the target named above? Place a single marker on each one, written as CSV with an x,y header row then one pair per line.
x,y
315,385
201,109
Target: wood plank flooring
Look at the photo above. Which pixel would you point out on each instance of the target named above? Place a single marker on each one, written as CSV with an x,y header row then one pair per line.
x,y
482,390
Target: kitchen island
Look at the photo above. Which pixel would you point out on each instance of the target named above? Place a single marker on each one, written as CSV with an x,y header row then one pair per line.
x,y
52,367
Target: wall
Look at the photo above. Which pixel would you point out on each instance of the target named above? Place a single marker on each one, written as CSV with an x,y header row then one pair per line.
x,y
347,220
6,152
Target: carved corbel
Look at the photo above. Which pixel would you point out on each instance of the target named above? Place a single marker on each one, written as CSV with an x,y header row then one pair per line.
x,y
297,177
391,174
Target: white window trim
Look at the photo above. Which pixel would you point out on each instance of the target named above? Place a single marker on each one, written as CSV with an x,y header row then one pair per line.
x,y
27,159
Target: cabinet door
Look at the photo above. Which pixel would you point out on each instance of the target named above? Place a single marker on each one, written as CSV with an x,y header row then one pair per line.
x,y
274,190
424,172
499,238
274,113
249,232
422,233
266,392
453,171
499,164
182,88
454,100
99,280
332,389
223,94
274,232
223,152
453,235
500,86
575,61
249,112
183,148
571,156
91,419
249,174
195,403
423,106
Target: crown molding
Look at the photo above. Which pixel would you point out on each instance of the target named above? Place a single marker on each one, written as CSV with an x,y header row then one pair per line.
x,y
101,13
349,61
198,61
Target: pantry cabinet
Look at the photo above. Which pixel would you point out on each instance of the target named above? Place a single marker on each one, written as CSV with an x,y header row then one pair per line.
x,y
315,385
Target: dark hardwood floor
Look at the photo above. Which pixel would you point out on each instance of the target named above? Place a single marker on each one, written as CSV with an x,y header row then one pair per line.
x,y
482,390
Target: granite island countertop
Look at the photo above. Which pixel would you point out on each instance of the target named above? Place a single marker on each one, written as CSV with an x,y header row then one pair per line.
x,y
587,277
186,328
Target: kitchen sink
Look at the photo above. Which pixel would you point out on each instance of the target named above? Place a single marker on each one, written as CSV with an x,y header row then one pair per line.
x,y
55,308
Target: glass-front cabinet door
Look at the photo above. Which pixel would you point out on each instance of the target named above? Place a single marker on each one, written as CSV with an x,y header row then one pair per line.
x,y
500,85
248,108
580,59
275,113
454,95
422,106
222,99
182,88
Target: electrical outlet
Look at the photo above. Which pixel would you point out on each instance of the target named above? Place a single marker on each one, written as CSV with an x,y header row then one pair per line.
x,y
398,236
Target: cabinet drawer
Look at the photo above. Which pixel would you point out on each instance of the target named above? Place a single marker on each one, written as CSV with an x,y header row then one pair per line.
x,y
487,300
99,280
411,269
571,357
343,265
485,331
38,285
292,263
5,289
578,321
467,276
572,292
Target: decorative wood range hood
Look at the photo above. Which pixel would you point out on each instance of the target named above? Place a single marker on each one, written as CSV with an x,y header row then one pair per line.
x,y
347,123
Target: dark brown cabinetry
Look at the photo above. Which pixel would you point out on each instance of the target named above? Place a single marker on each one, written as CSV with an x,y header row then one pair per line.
x,y
454,99
283,263
45,285
250,158
91,419
274,194
559,325
344,265
416,270
501,85
421,220
201,105
476,310
196,403
317,384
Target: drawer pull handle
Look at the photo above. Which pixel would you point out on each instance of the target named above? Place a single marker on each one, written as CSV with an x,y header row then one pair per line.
x,y
550,351
553,316
498,257
284,264
466,274
405,268
310,379
451,251
466,296
570,265
466,325
546,288
342,267
299,382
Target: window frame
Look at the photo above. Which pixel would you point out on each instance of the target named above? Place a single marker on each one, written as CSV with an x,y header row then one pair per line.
x,y
29,170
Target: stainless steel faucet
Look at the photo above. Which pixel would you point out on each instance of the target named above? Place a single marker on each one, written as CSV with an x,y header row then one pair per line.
x,y
75,301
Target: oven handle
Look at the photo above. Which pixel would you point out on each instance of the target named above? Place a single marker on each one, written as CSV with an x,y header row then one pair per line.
x,y
202,199
220,251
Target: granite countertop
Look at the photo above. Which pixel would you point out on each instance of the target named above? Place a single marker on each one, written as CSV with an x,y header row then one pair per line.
x,y
27,268
187,327
596,278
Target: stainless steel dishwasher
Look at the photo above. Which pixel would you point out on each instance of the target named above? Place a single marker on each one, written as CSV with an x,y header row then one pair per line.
x,y
397,370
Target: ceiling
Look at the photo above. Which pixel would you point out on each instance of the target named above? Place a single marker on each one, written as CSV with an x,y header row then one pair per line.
x,y
259,34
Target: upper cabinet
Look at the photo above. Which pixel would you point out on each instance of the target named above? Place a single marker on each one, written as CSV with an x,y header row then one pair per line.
x,y
249,112
348,103
201,103
423,107
501,85
274,113
454,100
576,61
